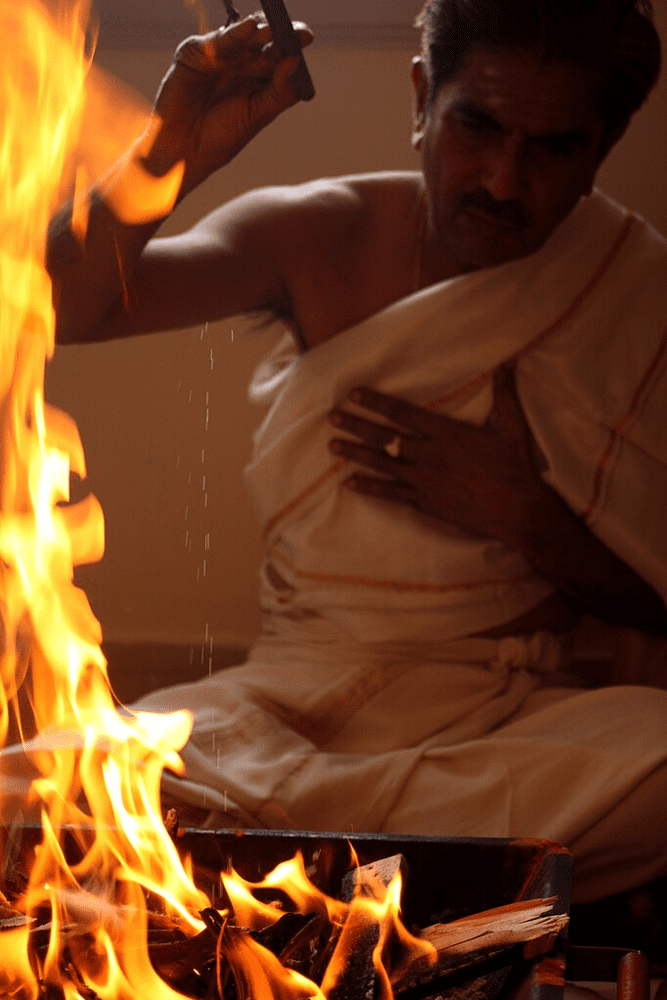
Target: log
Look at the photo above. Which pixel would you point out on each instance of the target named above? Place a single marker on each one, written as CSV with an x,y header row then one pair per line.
x,y
372,880
521,922
526,927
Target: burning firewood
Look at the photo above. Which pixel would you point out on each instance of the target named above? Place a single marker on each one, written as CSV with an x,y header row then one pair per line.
x,y
461,959
521,922
526,927
351,972
373,880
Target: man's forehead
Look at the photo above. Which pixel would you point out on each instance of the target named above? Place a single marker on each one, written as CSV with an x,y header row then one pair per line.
x,y
521,90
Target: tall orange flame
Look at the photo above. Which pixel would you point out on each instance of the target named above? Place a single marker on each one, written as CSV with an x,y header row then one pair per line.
x,y
85,764
92,772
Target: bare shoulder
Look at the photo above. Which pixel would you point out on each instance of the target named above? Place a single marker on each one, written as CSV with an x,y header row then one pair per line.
x,y
346,246
345,201
362,234
322,255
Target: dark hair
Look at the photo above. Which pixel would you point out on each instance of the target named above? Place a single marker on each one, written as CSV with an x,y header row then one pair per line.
x,y
615,37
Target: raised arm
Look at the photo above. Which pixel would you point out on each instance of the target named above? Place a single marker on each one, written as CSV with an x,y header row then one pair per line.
x,y
219,92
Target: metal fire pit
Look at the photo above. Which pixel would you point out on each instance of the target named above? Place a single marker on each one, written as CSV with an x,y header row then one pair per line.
x,y
447,878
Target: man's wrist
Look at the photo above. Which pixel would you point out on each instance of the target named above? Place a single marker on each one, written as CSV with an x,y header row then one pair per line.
x,y
145,184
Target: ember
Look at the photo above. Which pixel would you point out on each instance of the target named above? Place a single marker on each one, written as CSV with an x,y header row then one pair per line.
x,y
101,905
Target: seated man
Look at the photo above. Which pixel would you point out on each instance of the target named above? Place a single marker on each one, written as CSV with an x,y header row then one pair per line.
x,y
465,449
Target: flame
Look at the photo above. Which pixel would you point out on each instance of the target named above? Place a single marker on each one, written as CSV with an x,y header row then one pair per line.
x,y
85,765
291,878
92,771
370,924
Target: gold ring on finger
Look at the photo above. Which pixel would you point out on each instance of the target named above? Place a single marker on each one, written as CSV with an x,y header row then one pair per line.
x,y
393,447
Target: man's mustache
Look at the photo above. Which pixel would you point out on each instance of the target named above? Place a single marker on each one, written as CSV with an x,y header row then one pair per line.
x,y
510,212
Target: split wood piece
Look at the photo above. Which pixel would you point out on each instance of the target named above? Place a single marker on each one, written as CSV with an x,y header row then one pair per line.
x,y
177,960
351,973
11,916
373,879
7,909
527,924
291,933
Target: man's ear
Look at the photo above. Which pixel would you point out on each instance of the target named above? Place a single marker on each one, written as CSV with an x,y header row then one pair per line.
x,y
420,98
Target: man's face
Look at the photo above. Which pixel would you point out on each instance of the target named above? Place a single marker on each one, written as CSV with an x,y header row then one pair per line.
x,y
508,148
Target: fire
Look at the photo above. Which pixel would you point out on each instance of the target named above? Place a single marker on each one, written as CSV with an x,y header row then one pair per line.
x,y
85,765
367,926
92,771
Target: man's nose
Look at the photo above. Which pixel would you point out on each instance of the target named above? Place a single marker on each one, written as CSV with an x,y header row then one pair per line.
x,y
503,170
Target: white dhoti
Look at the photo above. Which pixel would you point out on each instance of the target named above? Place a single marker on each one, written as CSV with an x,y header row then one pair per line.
x,y
365,705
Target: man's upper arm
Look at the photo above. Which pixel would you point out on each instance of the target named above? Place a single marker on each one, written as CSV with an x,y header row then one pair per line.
x,y
233,261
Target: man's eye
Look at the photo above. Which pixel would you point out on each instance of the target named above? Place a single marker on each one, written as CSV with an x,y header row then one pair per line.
x,y
471,125
475,126
558,146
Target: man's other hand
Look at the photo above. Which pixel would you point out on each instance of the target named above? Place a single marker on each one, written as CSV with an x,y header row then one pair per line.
x,y
486,481
483,479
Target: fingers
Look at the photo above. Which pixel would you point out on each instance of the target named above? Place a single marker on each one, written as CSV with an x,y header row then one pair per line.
x,y
400,412
376,435
239,46
240,60
371,458
249,40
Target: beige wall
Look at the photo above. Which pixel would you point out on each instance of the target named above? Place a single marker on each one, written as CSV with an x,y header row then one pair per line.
x,y
181,556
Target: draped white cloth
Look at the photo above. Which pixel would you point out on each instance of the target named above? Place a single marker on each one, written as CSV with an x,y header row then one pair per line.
x,y
364,705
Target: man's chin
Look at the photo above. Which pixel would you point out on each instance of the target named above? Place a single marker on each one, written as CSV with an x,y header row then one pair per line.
x,y
477,255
